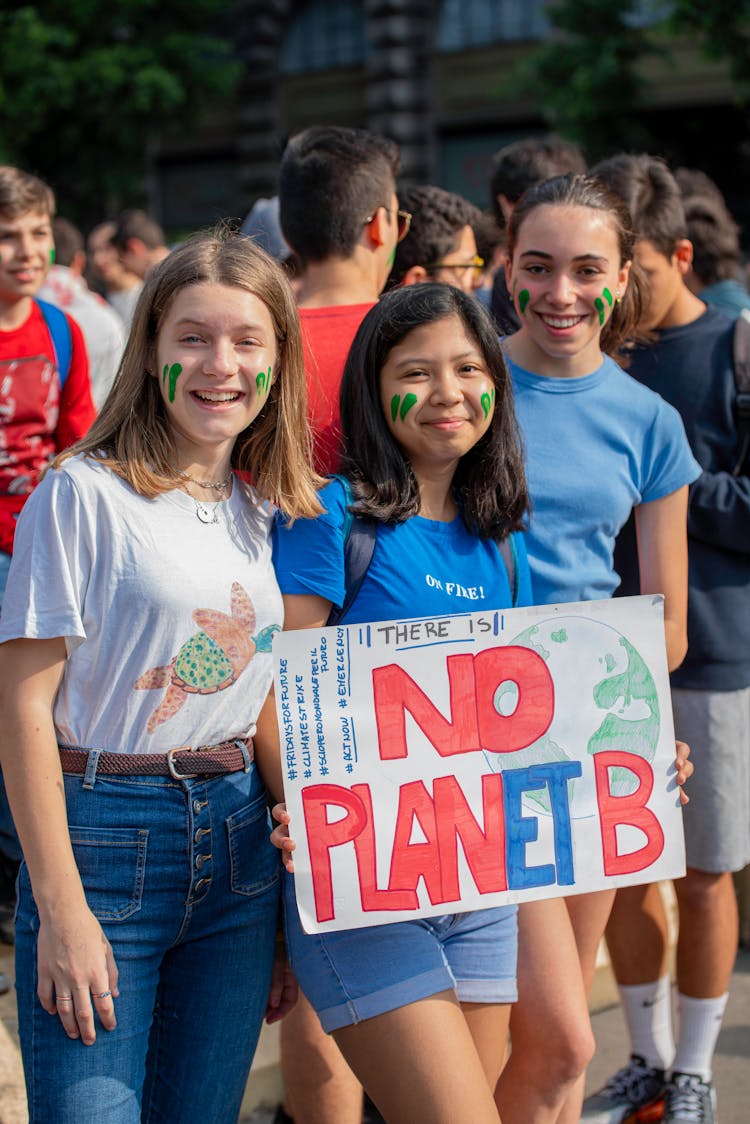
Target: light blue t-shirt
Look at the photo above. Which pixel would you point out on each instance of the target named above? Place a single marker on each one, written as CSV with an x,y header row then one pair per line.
x,y
420,568
596,447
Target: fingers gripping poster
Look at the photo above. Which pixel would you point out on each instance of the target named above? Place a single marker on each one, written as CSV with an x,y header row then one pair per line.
x,y
434,766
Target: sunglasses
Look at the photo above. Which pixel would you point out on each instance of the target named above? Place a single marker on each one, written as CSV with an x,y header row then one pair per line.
x,y
403,219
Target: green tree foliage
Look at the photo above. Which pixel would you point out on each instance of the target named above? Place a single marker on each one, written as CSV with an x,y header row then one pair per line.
x,y
587,78
86,84
724,30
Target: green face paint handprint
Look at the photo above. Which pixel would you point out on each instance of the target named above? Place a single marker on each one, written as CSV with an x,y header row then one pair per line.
x,y
523,300
263,381
409,401
173,373
488,401
599,305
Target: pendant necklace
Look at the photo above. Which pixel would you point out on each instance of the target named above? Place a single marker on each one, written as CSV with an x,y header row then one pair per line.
x,y
205,513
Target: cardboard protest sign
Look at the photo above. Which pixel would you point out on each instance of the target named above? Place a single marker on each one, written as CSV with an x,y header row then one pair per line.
x,y
438,765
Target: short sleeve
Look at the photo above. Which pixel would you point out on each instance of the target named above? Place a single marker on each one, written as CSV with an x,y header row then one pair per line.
x,y
50,566
308,554
668,463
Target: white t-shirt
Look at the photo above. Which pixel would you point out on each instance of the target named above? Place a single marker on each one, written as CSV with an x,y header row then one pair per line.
x,y
103,330
168,621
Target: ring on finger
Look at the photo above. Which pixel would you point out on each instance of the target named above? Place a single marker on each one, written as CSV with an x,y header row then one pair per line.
x,y
64,998
102,994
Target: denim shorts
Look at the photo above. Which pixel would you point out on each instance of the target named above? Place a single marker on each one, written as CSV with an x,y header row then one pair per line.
x,y
355,974
184,881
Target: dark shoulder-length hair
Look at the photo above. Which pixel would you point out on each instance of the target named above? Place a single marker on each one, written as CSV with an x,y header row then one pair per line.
x,y
490,482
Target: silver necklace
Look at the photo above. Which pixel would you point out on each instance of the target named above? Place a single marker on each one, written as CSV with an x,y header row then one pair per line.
x,y
218,485
205,513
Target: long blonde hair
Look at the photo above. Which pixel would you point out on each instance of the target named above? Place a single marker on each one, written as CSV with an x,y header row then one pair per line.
x,y
132,434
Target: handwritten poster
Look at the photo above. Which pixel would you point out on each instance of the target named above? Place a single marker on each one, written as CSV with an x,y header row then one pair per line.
x,y
438,765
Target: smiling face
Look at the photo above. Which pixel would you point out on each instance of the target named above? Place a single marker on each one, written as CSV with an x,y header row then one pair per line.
x,y
565,276
215,362
437,394
26,246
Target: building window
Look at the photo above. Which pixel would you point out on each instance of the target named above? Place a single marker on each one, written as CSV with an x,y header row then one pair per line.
x,y
477,23
324,35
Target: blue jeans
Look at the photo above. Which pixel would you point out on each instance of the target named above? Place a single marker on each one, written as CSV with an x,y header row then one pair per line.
x,y
185,883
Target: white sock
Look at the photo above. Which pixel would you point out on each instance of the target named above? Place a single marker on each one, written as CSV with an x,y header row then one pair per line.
x,y
699,1026
648,1011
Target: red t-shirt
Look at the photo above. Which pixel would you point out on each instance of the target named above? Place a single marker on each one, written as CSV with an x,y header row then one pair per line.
x,y
37,419
327,334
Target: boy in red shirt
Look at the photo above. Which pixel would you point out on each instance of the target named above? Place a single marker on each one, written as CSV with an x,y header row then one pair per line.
x,y
42,408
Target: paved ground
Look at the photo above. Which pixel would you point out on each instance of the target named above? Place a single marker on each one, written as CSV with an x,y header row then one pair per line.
x,y
732,1062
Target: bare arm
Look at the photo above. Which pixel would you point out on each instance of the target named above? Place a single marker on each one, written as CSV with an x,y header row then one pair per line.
x,y
74,956
300,611
661,527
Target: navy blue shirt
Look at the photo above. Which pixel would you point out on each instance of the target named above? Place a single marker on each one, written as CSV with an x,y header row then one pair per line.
x,y
691,367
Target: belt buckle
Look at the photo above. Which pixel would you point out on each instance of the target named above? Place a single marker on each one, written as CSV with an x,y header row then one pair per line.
x,y
173,768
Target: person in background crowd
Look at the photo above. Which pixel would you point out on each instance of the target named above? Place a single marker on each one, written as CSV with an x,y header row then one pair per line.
x,y
716,274
65,287
688,361
140,242
120,287
340,214
492,242
439,245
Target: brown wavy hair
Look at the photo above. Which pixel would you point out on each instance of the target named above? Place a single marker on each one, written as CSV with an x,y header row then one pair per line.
x,y
132,434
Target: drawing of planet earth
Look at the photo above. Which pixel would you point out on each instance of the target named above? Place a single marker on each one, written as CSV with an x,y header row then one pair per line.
x,y
605,698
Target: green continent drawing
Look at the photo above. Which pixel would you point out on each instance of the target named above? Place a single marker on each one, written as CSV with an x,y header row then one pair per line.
x,y
612,701
634,686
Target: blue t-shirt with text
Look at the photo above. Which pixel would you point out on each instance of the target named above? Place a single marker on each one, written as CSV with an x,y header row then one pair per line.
x,y
419,568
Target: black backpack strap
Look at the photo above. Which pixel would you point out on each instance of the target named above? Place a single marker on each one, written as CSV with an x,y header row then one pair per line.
x,y
507,548
741,359
360,536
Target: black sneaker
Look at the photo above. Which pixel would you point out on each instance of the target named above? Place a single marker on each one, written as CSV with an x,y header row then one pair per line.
x,y
633,1086
688,1100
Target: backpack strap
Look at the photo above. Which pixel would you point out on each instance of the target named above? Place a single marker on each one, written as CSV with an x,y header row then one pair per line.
x,y
60,334
741,360
359,537
507,548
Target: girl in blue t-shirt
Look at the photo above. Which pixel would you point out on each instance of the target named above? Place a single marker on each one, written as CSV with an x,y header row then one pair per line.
x,y
433,457
599,446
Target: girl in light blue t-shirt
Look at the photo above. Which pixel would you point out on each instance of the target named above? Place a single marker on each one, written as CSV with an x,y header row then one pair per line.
x,y
599,446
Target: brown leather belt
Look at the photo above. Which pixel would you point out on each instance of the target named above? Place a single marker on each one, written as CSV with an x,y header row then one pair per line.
x,y
180,763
